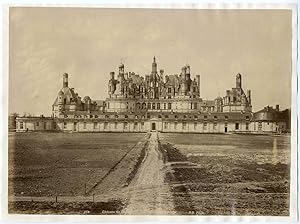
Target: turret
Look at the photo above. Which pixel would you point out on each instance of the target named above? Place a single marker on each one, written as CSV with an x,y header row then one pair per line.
x,y
121,69
112,75
65,80
154,66
161,72
238,81
249,96
187,69
198,82
183,71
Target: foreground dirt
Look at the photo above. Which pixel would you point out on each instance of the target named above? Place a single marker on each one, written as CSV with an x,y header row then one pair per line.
x,y
158,177
149,194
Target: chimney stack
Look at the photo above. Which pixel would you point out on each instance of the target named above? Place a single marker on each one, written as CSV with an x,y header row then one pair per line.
x,y
65,80
277,107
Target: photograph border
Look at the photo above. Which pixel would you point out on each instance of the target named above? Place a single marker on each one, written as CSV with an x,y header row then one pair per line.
x,y
5,217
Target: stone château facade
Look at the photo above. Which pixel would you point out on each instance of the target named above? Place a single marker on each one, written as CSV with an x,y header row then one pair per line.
x,y
166,103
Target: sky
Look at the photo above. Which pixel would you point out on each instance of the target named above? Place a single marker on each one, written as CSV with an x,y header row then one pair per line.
x,y
88,43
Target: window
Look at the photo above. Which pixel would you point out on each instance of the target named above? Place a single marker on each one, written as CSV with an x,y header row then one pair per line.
x,y
96,116
116,116
153,106
95,125
169,106
215,117
158,106
91,116
247,117
45,125
259,126
84,125
215,126
135,125
204,126
191,105
195,106
65,125
175,125
108,105
247,126
37,124
165,106
21,125
159,116
184,116
142,125
126,116
237,126
74,126
149,105
195,125
116,125
169,90
195,116
125,125
105,125
183,125
106,116
176,116
65,101
166,116
166,125
194,89
226,117
205,116
148,116
169,97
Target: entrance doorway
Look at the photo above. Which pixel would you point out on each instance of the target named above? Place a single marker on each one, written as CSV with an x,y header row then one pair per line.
x,y
225,129
153,128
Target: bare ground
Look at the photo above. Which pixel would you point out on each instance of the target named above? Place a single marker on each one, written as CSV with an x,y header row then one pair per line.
x,y
157,177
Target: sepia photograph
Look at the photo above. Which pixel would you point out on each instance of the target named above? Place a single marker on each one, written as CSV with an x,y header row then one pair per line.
x,y
150,111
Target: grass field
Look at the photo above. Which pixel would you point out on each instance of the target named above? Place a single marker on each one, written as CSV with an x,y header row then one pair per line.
x,y
50,164
229,174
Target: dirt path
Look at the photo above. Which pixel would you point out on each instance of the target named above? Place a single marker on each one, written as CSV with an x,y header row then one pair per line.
x,y
148,193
